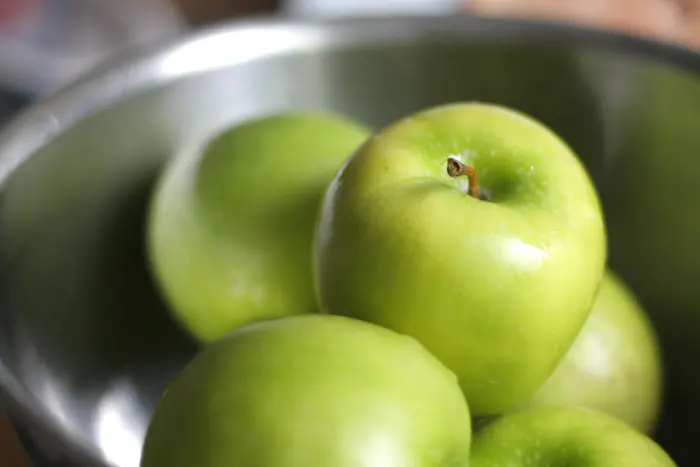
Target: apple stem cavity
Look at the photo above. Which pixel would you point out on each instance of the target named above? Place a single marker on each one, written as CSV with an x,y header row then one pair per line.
x,y
456,169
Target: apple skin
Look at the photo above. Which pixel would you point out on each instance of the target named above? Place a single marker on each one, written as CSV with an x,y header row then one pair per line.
x,y
498,290
231,225
311,390
615,365
564,435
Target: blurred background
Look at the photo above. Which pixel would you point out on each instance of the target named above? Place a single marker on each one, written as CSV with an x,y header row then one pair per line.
x,y
45,44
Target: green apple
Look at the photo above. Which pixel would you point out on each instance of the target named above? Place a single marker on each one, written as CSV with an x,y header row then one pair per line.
x,y
315,391
564,436
231,224
494,272
615,363
652,195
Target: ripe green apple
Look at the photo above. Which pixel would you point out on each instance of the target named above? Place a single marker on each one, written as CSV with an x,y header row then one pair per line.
x,y
615,363
653,175
231,225
494,272
315,391
564,436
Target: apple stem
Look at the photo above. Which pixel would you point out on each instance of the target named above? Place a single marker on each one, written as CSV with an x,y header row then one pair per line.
x,y
456,169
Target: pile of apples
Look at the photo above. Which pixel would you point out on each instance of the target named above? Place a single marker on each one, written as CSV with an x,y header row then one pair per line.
x,y
434,293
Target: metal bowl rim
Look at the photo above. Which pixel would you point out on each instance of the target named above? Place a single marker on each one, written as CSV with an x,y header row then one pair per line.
x,y
137,70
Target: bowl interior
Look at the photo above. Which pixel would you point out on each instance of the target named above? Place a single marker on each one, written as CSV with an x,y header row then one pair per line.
x,y
83,333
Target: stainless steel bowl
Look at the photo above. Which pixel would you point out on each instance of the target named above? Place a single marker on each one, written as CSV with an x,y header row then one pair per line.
x,y
86,346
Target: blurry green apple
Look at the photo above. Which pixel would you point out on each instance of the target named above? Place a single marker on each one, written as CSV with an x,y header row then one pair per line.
x,y
615,363
312,391
652,196
564,436
231,225
494,271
